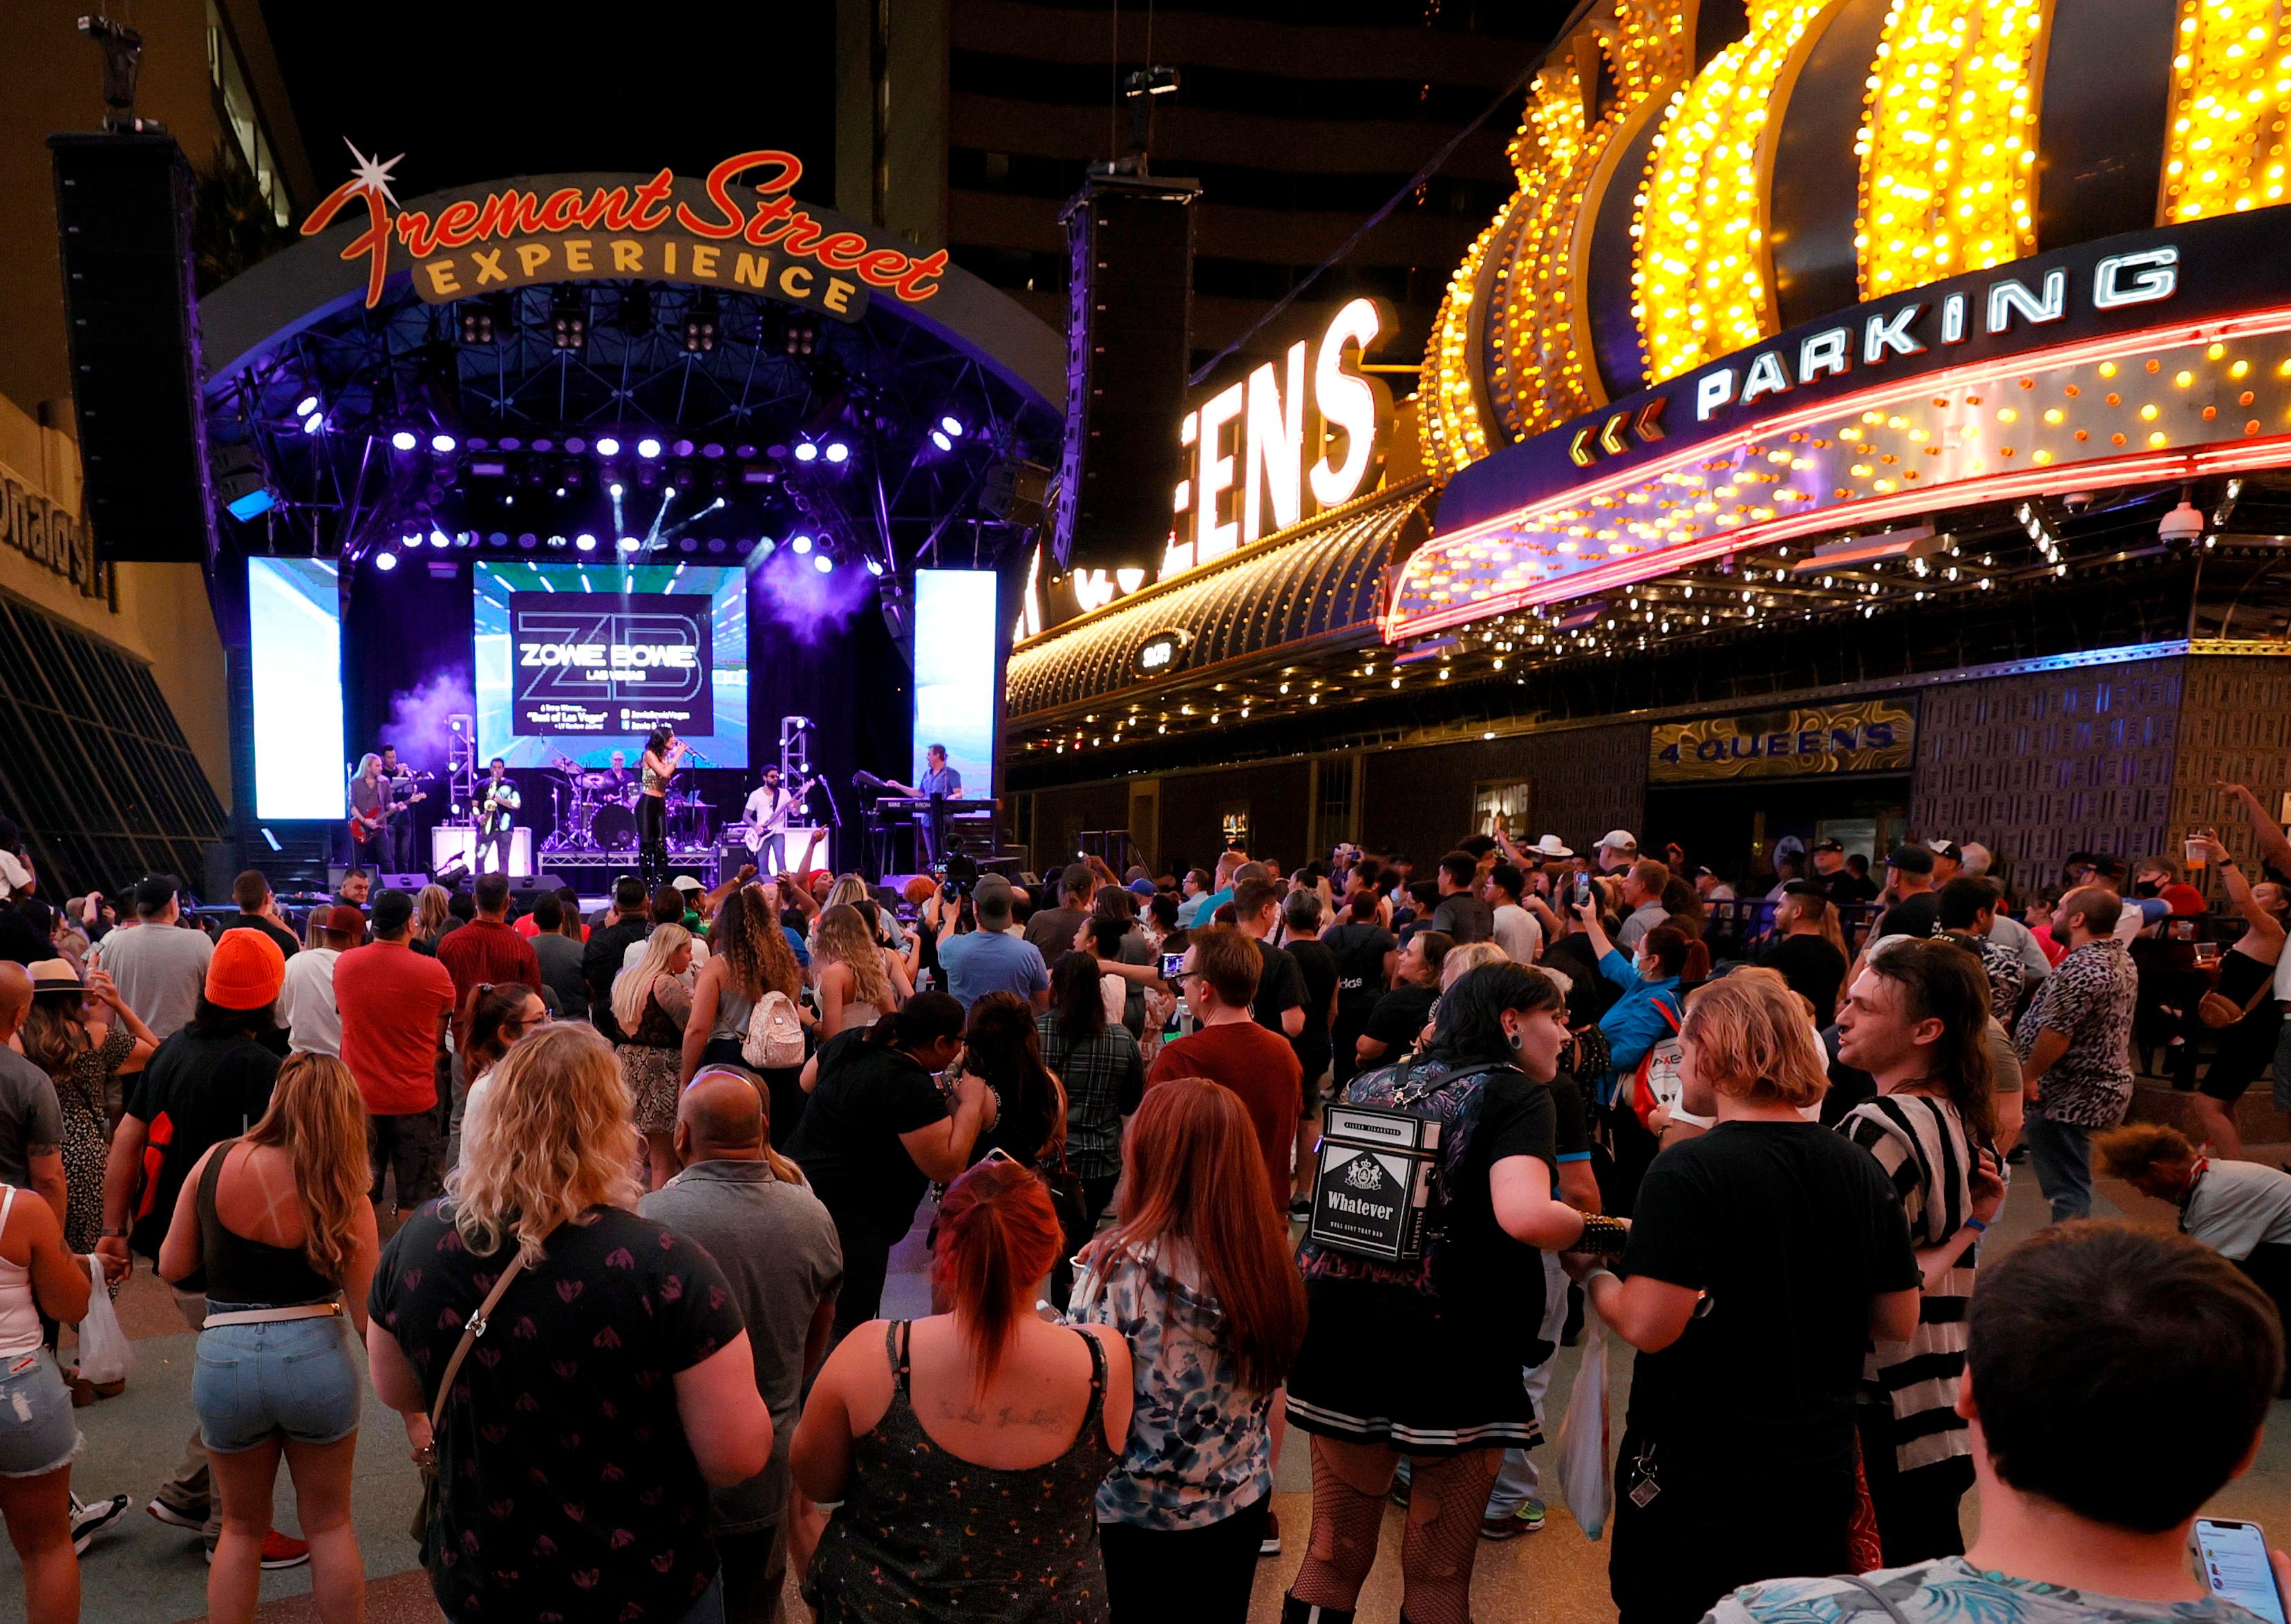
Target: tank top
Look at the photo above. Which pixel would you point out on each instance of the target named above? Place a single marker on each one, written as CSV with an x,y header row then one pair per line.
x,y
923,1534
20,1311
253,1273
654,783
732,1010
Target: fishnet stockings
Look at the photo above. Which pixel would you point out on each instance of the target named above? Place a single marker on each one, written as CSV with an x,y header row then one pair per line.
x,y
1446,1501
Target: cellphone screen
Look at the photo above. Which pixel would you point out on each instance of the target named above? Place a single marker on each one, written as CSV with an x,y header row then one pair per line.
x,y
2234,1557
1171,963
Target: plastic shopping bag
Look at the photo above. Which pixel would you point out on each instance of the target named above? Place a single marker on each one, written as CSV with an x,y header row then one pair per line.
x,y
1586,1454
105,1354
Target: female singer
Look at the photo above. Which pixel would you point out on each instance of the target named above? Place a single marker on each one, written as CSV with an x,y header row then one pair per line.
x,y
663,753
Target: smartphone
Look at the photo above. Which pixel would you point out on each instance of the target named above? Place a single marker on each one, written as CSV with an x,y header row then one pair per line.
x,y
1172,965
2233,1558
1582,888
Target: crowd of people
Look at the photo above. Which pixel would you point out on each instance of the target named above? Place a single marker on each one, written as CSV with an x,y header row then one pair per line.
x,y
611,1198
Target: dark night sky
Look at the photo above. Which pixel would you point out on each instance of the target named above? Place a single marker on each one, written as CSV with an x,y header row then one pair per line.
x,y
478,91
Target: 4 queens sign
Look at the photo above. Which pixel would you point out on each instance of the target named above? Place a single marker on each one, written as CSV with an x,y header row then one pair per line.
x,y
1871,737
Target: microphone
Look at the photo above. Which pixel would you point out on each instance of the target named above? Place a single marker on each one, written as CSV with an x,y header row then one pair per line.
x,y
696,756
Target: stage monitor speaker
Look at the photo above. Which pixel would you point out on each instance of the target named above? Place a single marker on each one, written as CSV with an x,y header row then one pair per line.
x,y
525,888
1129,242
400,882
124,212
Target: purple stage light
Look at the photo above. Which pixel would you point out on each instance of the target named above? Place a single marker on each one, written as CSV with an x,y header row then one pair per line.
x,y
438,538
576,445
874,566
388,560
543,446
616,488
629,543
682,448
404,439
939,440
608,446
442,444
953,425
801,543
838,452
647,448
712,451
410,539
509,442
307,404
314,423
805,451
585,542
822,563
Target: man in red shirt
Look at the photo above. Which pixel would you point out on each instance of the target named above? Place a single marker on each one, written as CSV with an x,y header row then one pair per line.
x,y
486,950
395,1004
1219,981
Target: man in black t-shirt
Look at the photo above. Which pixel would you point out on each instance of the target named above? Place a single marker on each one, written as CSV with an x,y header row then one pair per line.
x,y
1461,912
1916,907
1807,959
629,921
1280,1002
1366,953
1764,1255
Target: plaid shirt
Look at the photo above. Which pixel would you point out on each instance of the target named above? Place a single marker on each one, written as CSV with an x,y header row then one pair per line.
x,y
1104,1076
2088,998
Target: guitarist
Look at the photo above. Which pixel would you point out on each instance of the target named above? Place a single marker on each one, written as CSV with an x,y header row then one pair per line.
x,y
768,810
397,833
369,820
497,804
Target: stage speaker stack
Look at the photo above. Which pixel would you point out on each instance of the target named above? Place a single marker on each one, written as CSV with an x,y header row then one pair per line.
x,y
1129,239
124,215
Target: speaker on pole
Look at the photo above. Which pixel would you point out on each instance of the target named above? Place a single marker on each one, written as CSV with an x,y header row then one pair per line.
x,y
124,214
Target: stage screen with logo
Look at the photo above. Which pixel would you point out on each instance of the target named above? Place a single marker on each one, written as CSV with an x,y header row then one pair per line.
x,y
294,636
955,622
579,660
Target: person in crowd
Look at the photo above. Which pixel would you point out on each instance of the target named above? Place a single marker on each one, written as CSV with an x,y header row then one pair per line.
x,y
628,919
1788,1231
1219,980
2241,1049
40,1277
277,1226
1511,925
2166,878
1097,1062
965,1450
1710,887
1051,931
1367,958
878,1132
211,1079
1915,1021
1280,1002
558,950
1967,908
1400,1013
1301,913
493,1022
17,878
2075,1044
1423,1359
753,959
1002,1047
626,1382
1197,1279
748,1206
1616,851
433,916
1649,1009
1916,910
2072,1332
1462,913
396,1006
80,1035
989,960
306,999
485,949
853,973
1643,883
652,1005
258,910
1807,948
1201,909
357,886
158,971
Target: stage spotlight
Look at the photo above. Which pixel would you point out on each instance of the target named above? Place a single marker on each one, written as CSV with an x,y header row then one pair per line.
x,y
438,538
388,560
404,440
576,445
838,452
442,444
939,440
528,540
822,563
314,423
306,406
801,543
715,544
802,335
499,538
765,547
616,492
953,425
805,451
557,541
874,566
410,539
670,493
585,542
608,446
629,543
646,447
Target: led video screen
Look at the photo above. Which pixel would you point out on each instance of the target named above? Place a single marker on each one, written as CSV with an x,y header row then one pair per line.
x,y
955,622
294,635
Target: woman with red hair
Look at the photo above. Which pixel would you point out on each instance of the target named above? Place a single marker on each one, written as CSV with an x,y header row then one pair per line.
x,y
1198,1277
967,1449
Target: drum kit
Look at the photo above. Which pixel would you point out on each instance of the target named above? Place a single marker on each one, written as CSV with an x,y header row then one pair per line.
x,y
592,816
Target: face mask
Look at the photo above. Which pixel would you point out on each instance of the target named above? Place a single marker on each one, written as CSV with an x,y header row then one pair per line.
x,y
2146,888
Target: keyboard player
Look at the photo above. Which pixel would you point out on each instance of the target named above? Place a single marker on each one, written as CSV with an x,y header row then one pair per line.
x,y
940,784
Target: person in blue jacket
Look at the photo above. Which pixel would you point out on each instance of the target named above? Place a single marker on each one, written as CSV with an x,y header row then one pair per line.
x,y
1634,1024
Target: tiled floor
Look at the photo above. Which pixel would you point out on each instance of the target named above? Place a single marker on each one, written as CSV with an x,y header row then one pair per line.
x,y
144,1573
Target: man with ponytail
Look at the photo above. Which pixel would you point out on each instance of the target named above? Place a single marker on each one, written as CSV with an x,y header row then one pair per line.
x,y
750,1207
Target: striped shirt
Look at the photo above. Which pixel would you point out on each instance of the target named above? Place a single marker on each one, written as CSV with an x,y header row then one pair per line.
x,y
1921,1144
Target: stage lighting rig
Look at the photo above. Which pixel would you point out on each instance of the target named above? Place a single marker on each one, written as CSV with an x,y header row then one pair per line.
x,y
568,319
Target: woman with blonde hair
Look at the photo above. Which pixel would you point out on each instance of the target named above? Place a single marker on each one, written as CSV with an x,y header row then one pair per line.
x,y
433,914
621,1364
1767,1232
278,1225
652,1004
749,961
854,981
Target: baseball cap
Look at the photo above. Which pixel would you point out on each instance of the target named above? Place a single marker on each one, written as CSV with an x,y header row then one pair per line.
x,y
1618,840
686,882
245,972
1910,859
153,894
1945,848
392,910
344,921
1829,843
992,897
2113,867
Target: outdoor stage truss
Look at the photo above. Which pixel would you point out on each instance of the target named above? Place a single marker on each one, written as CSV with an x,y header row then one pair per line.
x,y
732,384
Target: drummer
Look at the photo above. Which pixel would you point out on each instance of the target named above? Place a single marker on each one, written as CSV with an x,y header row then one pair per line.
x,y
618,779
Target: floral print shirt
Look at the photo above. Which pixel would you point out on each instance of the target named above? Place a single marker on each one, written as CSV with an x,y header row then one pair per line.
x,y
2088,998
1953,1591
1201,1447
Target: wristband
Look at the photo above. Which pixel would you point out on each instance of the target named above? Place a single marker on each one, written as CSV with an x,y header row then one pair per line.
x,y
1977,1225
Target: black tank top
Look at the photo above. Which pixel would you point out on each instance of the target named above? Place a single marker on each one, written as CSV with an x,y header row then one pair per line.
x,y
253,1273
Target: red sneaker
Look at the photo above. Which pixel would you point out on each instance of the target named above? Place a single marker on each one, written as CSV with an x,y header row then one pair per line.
x,y
279,1551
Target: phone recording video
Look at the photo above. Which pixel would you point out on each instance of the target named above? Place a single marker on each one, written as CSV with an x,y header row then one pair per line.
x,y
2234,1559
1172,964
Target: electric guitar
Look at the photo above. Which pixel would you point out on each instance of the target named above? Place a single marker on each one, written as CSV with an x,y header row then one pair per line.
x,y
777,822
365,828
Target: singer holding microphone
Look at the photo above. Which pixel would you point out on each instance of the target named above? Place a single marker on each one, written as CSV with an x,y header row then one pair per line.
x,y
664,754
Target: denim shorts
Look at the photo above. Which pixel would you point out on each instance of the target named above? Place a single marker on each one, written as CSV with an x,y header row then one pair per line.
x,y
38,1434
295,1377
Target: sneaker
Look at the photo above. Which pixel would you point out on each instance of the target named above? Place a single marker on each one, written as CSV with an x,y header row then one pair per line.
x,y
279,1551
87,1521
164,1513
1301,1207
1270,1545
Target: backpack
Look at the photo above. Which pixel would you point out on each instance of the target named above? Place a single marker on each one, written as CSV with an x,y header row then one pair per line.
x,y
774,1039
1390,1152
1657,1081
